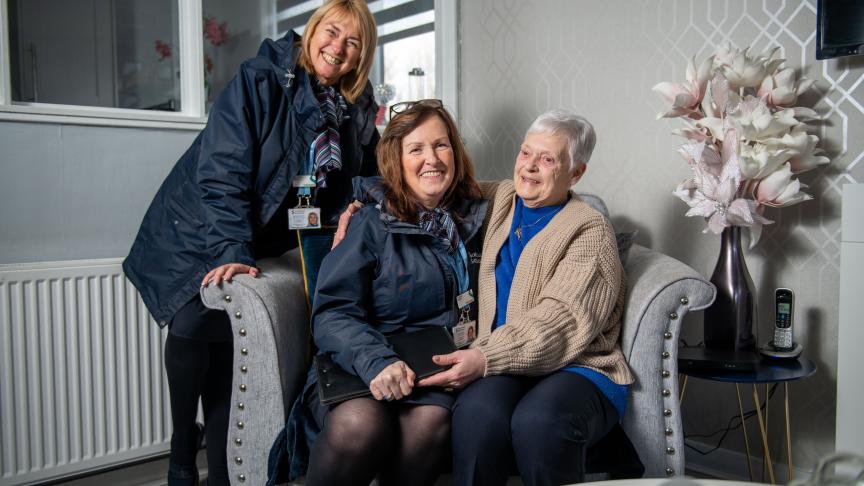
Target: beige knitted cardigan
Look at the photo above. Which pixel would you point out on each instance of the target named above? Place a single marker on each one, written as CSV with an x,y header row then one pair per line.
x,y
567,298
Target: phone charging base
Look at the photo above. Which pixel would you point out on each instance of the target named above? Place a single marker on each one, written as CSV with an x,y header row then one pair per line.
x,y
772,352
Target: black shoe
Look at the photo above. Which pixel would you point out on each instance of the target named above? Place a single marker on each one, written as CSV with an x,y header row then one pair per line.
x,y
182,475
188,475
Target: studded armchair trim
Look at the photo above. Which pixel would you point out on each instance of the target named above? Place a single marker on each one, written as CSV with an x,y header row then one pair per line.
x,y
661,291
270,327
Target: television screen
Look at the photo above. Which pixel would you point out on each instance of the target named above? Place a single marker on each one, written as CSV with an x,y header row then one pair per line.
x,y
839,28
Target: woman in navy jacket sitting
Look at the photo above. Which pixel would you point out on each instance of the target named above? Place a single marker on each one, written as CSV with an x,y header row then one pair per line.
x,y
401,268
225,204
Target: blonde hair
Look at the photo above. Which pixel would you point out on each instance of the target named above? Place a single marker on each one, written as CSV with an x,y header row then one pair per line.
x,y
352,84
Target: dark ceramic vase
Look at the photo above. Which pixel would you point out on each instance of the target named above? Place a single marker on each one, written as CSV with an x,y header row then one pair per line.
x,y
731,320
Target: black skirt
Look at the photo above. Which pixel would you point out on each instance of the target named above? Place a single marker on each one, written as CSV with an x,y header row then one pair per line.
x,y
419,396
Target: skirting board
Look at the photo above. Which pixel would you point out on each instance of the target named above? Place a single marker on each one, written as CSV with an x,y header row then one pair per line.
x,y
732,465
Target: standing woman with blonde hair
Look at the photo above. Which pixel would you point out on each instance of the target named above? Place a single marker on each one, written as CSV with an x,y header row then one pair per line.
x,y
282,142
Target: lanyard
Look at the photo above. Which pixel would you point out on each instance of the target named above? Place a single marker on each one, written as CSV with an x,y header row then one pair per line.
x,y
306,191
462,268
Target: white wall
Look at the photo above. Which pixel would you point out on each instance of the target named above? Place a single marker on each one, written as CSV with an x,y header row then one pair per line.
x,y
850,361
72,192
600,58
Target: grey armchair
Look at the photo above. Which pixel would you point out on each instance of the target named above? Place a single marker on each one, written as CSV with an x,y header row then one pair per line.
x,y
269,319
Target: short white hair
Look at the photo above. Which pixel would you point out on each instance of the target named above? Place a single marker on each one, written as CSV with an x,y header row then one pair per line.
x,y
576,129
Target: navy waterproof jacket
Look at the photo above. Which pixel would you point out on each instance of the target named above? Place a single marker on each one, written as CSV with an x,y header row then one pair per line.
x,y
389,276
225,200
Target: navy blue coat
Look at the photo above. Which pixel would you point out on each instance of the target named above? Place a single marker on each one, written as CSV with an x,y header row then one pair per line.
x,y
388,276
225,200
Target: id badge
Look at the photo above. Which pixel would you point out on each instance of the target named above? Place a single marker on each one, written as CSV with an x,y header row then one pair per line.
x,y
464,333
465,299
304,218
302,181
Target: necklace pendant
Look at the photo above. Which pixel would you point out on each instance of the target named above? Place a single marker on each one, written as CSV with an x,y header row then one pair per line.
x,y
518,233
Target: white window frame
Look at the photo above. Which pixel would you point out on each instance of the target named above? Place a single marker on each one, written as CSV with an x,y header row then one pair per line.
x,y
447,54
192,115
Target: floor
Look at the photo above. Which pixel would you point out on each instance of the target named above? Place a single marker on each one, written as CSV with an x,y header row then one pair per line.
x,y
146,474
153,474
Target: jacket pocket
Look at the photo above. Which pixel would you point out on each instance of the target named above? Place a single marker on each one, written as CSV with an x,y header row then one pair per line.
x,y
179,213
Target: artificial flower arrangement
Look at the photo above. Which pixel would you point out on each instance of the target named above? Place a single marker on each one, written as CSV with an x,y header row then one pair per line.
x,y
746,139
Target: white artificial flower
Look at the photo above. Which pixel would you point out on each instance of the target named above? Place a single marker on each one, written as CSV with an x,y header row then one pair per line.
x,y
782,89
759,160
744,70
779,189
693,132
685,97
758,123
806,155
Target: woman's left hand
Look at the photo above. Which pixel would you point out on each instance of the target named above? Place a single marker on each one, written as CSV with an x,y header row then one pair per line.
x,y
225,272
467,366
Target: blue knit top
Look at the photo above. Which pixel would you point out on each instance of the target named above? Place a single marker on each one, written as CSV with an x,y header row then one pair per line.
x,y
527,223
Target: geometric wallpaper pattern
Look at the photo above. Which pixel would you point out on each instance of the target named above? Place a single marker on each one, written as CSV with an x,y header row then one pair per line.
x,y
600,58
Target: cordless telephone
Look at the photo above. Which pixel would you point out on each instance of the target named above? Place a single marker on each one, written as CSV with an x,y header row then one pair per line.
x,y
784,306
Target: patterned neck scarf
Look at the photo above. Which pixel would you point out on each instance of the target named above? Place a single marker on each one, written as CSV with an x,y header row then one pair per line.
x,y
328,153
440,224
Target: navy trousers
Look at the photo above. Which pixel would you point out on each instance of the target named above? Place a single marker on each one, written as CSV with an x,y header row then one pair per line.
x,y
540,427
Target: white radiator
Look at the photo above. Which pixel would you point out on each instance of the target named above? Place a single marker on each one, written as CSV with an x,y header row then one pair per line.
x,y
82,383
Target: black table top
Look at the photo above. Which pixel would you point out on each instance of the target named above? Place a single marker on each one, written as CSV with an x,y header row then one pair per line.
x,y
767,370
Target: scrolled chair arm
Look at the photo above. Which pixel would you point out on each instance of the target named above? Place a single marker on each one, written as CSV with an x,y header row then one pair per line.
x,y
271,345
660,292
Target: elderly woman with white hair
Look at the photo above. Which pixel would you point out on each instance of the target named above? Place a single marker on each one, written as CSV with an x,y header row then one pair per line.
x,y
545,378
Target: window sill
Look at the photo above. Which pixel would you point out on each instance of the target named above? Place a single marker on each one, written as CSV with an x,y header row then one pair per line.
x,y
104,117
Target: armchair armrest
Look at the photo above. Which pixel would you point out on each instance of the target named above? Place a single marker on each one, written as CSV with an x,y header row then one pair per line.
x,y
270,324
660,292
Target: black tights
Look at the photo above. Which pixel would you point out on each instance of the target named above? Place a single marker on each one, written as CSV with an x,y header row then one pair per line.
x,y
362,438
199,369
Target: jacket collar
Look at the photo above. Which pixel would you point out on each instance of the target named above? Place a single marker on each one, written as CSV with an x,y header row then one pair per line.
x,y
471,211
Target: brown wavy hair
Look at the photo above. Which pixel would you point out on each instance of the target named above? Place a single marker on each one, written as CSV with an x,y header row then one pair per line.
x,y
400,200
352,84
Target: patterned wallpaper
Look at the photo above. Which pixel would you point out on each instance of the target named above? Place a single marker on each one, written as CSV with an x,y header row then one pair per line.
x,y
600,58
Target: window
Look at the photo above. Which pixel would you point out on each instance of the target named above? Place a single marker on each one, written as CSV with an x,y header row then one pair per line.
x,y
92,54
161,63
102,61
233,31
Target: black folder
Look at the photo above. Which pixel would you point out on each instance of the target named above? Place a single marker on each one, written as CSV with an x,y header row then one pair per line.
x,y
414,348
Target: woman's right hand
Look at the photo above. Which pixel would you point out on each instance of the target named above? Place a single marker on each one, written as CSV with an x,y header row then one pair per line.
x,y
393,382
344,218
225,272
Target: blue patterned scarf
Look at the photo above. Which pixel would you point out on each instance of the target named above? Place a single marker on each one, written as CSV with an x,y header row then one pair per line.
x,y
440,224
328,153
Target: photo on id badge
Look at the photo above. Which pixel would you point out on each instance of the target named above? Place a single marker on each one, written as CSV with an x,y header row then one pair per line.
x,y
304,218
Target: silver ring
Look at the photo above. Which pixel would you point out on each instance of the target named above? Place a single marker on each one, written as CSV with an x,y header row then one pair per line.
x,y
388,397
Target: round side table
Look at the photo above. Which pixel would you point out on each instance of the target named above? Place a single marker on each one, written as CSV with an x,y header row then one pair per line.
x,y
767,371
